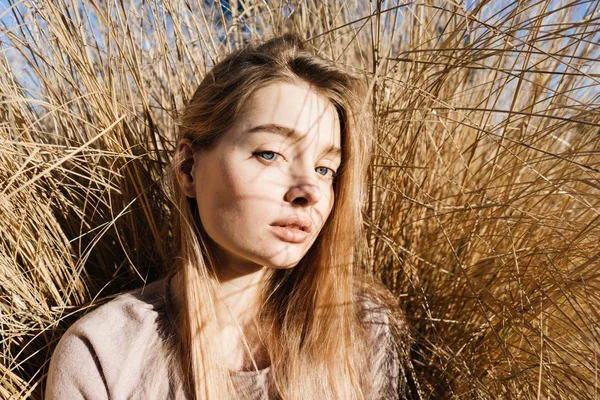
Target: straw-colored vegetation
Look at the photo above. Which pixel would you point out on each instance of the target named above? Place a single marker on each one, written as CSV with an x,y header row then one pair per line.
x,y
484,201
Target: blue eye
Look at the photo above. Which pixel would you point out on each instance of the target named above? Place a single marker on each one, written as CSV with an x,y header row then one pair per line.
x,y
266,155
324,171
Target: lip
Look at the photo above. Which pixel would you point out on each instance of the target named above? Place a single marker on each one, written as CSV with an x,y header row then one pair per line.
x,y
290,235
304,223
293,229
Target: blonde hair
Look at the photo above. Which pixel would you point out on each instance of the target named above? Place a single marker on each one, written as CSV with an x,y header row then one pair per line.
x,y
309,317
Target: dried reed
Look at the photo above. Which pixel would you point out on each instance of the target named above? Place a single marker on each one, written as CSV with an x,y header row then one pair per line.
x,y
484,200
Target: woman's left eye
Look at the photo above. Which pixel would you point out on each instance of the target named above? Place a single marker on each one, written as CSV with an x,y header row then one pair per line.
x,y
266,155
325,171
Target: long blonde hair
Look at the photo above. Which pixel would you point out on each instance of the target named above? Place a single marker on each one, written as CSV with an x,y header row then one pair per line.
x,y
309,318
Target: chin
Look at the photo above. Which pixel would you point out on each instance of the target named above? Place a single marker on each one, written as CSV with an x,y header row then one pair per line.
x,y
289,266
280,264
283,257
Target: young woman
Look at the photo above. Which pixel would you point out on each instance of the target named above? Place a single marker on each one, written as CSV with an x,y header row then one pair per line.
x,y
266,299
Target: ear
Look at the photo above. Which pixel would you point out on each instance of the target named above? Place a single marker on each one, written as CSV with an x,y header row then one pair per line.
x,y
184,167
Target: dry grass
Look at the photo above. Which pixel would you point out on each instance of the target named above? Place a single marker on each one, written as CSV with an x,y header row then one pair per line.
x,y
483,211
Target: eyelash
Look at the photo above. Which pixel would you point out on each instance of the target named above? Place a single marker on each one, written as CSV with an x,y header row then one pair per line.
x,y
261,153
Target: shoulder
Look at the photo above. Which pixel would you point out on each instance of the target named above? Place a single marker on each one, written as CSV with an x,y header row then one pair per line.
x,y
387,336
130,317
108,345
125,314
379,312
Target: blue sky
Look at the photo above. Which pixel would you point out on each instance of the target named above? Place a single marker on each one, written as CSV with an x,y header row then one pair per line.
x,y
491,14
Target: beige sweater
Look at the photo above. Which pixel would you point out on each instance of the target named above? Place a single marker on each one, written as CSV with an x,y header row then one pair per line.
x,y
117,352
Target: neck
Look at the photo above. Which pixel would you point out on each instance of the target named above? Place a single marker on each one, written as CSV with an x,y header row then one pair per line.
x,y
238,297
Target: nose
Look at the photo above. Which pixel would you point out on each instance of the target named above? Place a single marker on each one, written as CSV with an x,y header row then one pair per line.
x,y
304,194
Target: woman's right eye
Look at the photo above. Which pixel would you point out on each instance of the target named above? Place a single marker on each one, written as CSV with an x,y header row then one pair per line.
x,y
266,155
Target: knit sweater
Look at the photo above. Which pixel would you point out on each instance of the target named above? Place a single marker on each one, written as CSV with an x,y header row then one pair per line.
x,y
118,352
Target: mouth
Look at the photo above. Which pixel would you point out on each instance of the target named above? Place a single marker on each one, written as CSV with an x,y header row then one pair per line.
x,y
289,234
292,230
298,227
296,223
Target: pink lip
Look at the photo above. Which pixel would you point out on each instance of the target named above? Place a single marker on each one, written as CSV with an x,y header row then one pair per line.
x,y
304,223
288,234
293,229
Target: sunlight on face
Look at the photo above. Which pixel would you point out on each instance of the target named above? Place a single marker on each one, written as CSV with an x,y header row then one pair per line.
x,y
266,189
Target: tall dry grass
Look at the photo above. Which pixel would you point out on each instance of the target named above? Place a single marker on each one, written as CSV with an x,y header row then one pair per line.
x,y
484,200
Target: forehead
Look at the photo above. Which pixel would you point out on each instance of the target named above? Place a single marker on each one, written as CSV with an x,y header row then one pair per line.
x,y
297,108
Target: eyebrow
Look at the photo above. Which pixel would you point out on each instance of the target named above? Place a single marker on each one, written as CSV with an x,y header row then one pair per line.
x,y
290,133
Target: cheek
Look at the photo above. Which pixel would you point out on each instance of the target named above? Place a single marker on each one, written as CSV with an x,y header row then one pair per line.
x,y
219,182
215,193
326,205
331,202
225,196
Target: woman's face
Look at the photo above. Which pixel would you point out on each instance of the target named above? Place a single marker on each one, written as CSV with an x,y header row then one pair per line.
x,y
266,189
